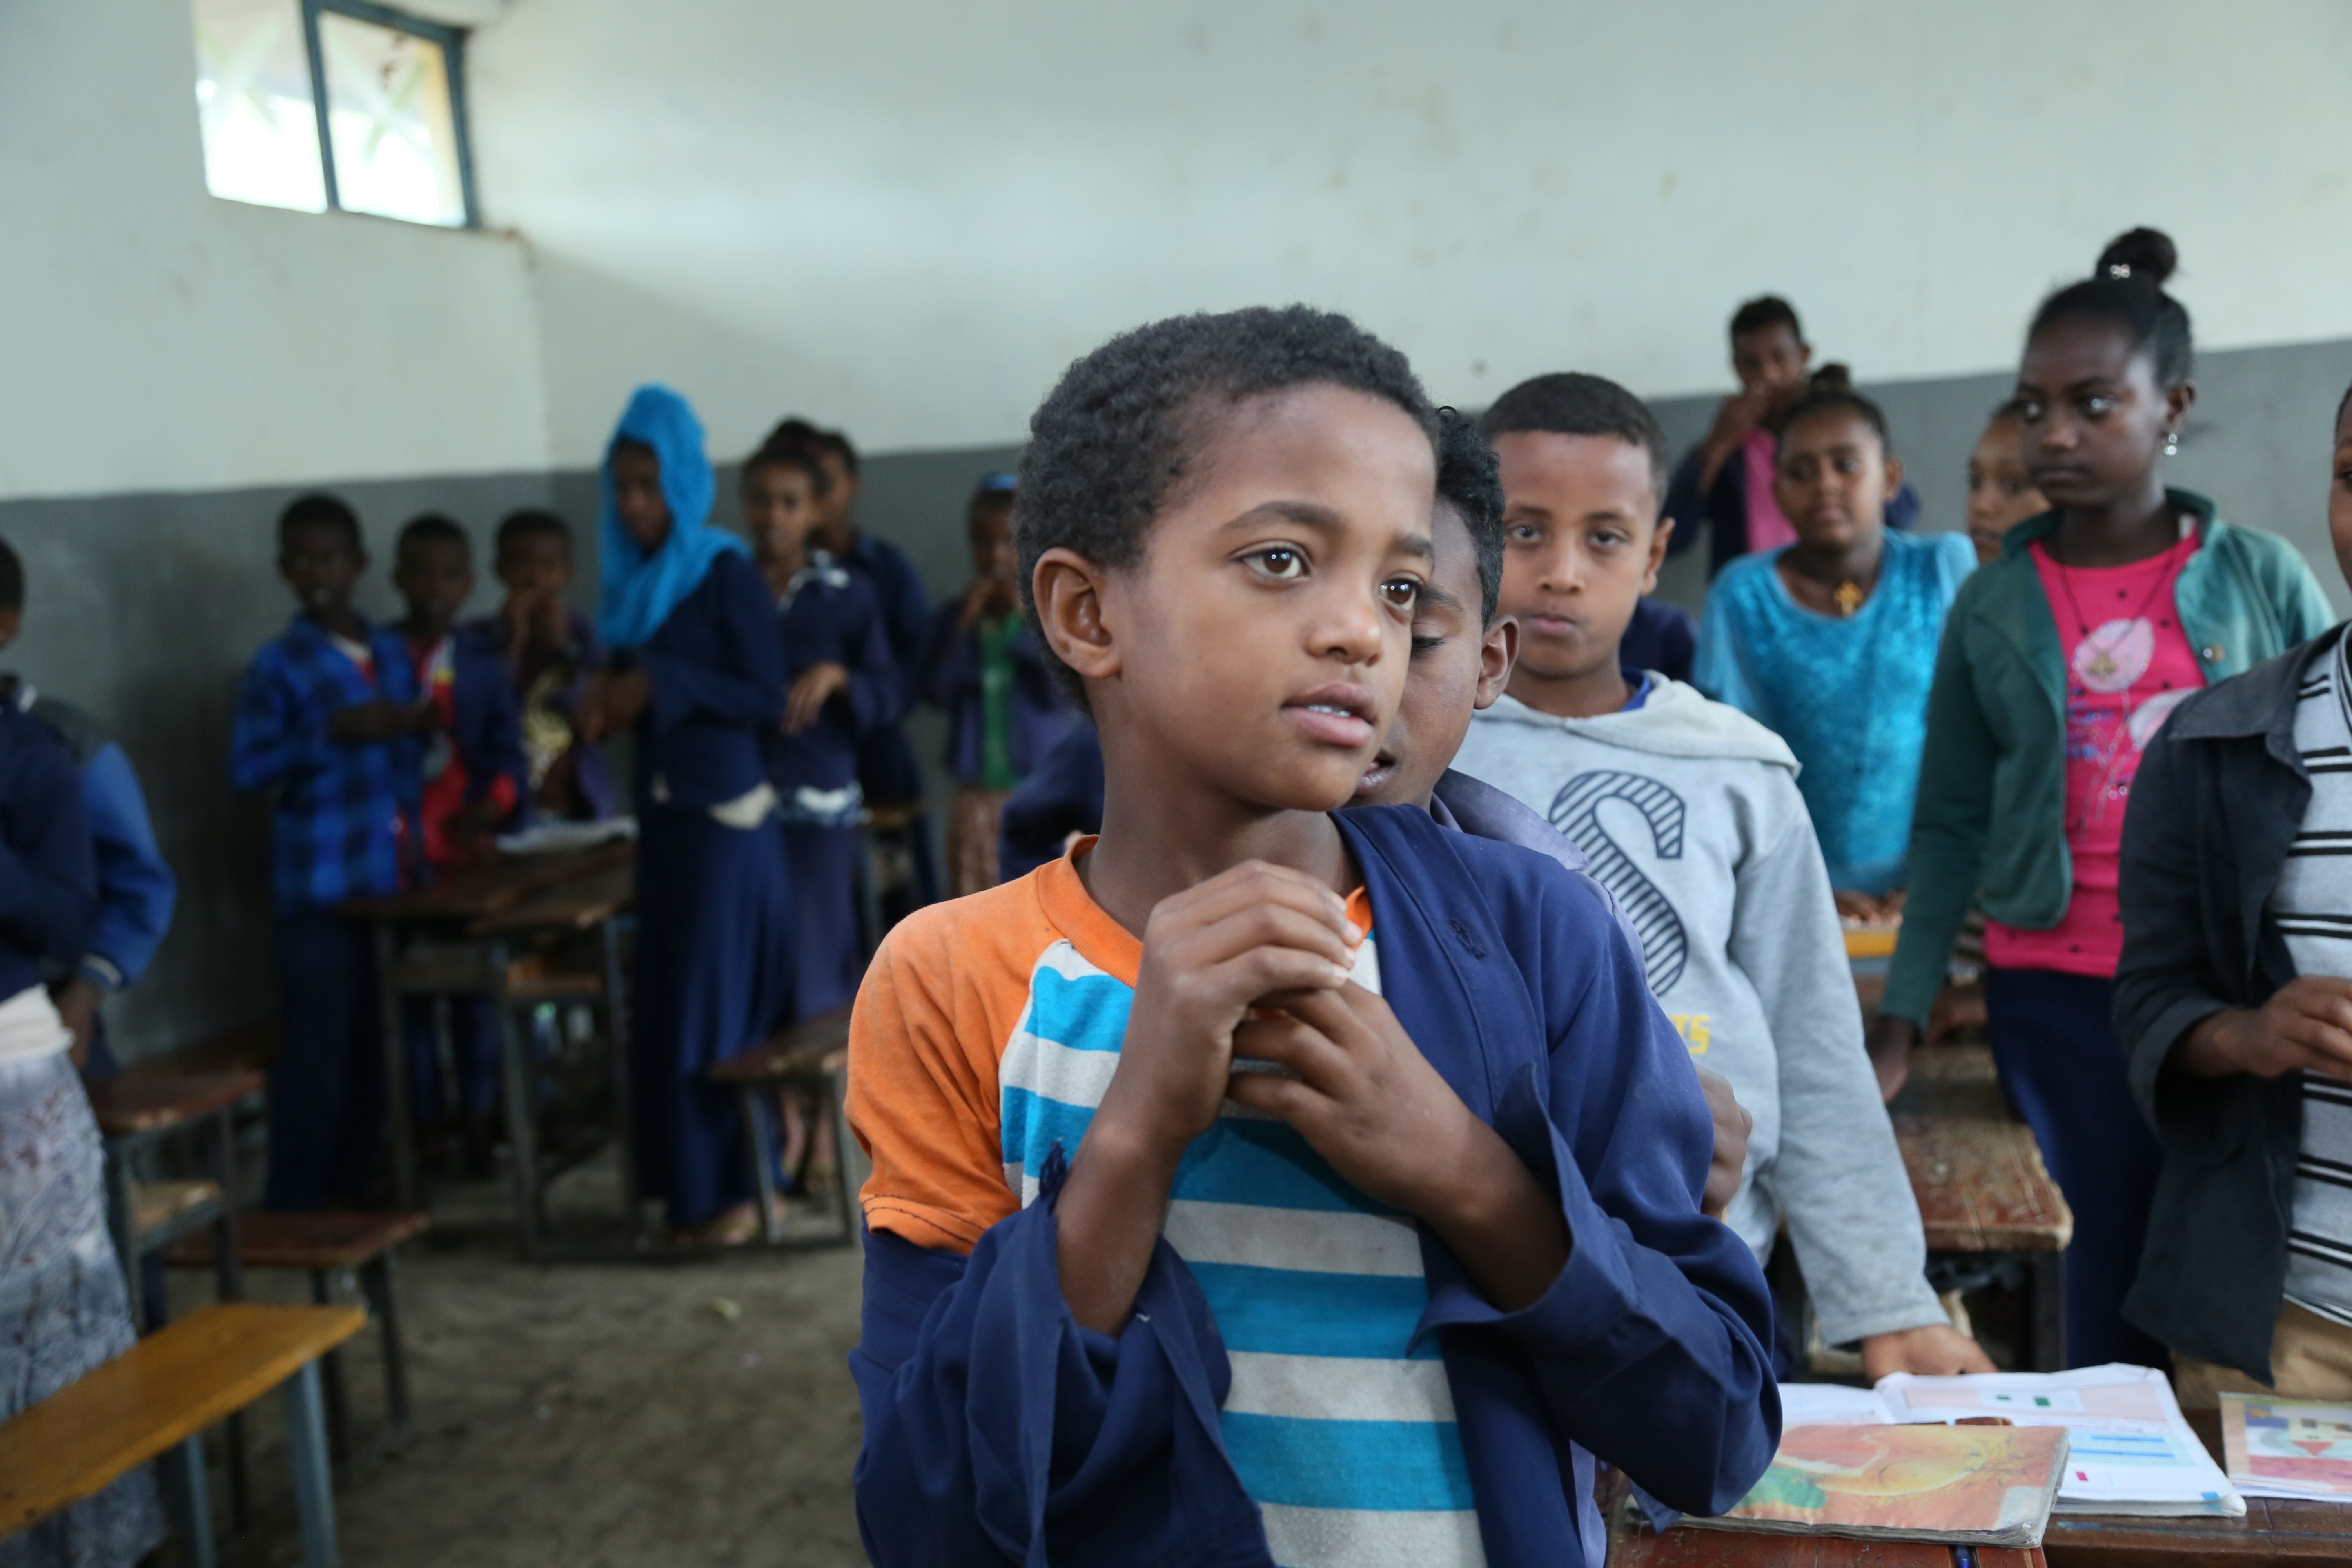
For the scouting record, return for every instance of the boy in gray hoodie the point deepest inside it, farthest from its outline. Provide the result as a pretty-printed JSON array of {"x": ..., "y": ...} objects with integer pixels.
[{"x": 1689, "y": 813}]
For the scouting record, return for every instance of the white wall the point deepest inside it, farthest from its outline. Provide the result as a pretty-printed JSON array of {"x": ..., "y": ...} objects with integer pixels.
[
  {"x": 153, "y": 337},
  {"x": 907, "y": 214}
]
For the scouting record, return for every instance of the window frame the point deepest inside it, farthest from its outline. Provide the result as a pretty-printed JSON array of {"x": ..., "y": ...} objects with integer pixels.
[{"x": 452, "y": 55}]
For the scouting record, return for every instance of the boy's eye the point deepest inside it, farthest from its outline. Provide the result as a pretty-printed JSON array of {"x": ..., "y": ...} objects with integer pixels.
[
  {"x": 2029, "y": 411},
  {"x": 2098, "y": 406},
  {"x": 1403, "y": 593},
  {"x": 1282, "y": 562},
  {"x": 1422, "y": 644},
  {"x": 1523, "y": 533}
]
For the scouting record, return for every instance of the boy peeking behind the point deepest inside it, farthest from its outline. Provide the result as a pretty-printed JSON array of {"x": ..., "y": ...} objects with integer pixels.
[{"x": 1263, "y": 1183}]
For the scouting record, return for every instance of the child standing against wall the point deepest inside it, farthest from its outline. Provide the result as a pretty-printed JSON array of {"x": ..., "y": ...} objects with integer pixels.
[
  {"x": 2060, "y": 663},
  {"x": 550, "y": 653},
  {"x": 840, "y": 682},
  {"x": 981, "y": 663},
  {"x": 329, "y": 721},
  {"x": 1829, "y": 642},
  {"x": 472, "y": 784}
]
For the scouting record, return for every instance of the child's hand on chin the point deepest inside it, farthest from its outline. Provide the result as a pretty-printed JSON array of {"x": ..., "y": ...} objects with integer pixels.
[{"x": 1209, "y": 954}]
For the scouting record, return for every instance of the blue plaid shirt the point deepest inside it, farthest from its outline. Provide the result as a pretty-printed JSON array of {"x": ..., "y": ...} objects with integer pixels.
[{"x": 337, "y": 830}]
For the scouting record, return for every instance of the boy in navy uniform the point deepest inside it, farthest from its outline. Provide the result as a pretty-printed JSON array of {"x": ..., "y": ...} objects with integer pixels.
[
  {"x": 475, "y": 784},
  {"x": 330, "y": 720}
]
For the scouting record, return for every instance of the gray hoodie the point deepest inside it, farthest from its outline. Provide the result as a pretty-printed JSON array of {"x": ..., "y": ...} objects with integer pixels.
[{"x": 1689, "y": 813}]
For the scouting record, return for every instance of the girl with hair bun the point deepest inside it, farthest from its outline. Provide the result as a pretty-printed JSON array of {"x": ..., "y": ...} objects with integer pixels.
[
  {"x": 2059, "y": 662},
  {"x": 1831, "y": 640}
]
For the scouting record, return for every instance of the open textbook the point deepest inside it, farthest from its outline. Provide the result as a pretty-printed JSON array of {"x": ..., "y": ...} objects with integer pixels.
[
  {"x": 1966, "y": 1486},
  {"x": 2288, "y": 1448},
  {"x": 2131, "y": 1453}
]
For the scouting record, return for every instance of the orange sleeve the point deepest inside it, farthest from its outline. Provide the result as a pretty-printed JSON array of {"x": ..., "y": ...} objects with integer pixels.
[{"x": 939, "y": 1002}]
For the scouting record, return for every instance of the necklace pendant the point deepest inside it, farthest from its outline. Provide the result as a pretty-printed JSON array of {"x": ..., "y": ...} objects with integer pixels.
[
  {"x": 2103, "y": 664},
  {"x": 1848, "y": 598}
]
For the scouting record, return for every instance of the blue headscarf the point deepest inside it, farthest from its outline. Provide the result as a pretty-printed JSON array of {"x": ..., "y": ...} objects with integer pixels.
[{"x": 638, "y": 591}]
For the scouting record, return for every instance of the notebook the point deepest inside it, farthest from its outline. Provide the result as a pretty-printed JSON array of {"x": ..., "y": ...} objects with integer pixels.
[
  {"x": 2131, "y": 1452},
  {"x": 2288, "y": 1448},
  {"x": 1963, "y": 1486}
]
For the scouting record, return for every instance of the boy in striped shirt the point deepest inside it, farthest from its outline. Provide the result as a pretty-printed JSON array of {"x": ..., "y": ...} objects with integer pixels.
[{"x": 1258, "y": 1184}]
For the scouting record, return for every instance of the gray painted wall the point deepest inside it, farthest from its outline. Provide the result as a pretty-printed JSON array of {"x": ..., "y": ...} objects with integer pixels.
[{"x": 144, "y": 609}]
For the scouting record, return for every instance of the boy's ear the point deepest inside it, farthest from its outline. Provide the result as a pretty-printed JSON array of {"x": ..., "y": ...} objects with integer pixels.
[
  {"x": 1659, "y": 538},
  {"x": 1069, "y": 591},
  {"x": 1497, "y": 655},
  {"x": 11, "y": 621},
  {"x": 1894, "y": 477}
]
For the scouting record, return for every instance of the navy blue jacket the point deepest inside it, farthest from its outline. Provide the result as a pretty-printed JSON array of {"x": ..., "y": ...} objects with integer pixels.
[
  {"x": 592, "y": 774},
  {"x": 830, "y": 616},
  {"x": 48, "y": 873},
  {"x": 998, "y": 1431},
  {"x": 948, "y": 676},
  {"x": 136, "y": 889},
  {"x": 885, "y": 762},
  {"x": 1660, "y": 637},
  {"x": 717, "y": 671},
  {"x": 1724, "y": 510},
  {"x": 486, "y": 723},
  {"x": 1061, "y": 795}
]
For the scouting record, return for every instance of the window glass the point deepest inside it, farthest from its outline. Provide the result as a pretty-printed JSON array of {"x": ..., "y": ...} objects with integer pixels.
[
  {"x": 389, "y": 117},
  {"x": 253, "y": 93}
]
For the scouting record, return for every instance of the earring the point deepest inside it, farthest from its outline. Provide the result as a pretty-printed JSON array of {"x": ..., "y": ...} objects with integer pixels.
[{"x": 2172, "y": 443}]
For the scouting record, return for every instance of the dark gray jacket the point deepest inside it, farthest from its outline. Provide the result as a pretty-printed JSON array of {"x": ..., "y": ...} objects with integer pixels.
[{"x": 2217, "y": 801}]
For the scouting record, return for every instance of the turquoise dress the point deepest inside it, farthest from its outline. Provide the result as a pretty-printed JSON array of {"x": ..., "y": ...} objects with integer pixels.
[{"x": 1849, "y": 695}]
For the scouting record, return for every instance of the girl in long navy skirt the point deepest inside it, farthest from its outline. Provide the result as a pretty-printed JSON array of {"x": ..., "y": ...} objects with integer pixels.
[
  {"x": 698, "y": 673},
  {"x": 842, "y": 685}
]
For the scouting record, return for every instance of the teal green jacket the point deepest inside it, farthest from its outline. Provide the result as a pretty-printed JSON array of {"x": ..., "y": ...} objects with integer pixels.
[{"x": 1992, "y": 780}]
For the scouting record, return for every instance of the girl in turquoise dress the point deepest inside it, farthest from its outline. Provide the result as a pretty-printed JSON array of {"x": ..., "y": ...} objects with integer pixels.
[{"x": 1831, "y": 641}]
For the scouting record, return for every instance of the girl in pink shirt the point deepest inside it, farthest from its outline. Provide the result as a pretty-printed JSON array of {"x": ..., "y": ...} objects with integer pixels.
[{"x": 2061, "y": 660}]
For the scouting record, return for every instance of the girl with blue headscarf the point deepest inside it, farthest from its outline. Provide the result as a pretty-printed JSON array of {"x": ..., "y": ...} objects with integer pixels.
[{"x": 698, "y": 671}]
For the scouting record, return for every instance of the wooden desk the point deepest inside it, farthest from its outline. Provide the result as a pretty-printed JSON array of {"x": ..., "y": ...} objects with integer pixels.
[
  {"x": 812, "y": 1055},
  {"x": 476, "y": 920},
  {"x": 1633, "y": 1544},
  {"x": 1984, "y": 1195},
  {"x": 2274, "y": 1530}
]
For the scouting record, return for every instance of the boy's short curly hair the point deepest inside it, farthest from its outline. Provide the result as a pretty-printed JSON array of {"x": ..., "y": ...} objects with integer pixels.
[
  {"x": 1571, "y": 403},
  {"x": 1470, "y": 480},
  {"x": 1120, "y": 435}
]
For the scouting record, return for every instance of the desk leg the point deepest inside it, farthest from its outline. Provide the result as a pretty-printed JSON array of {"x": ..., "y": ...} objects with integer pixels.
[
  {"x": 616, "y": 1036},
  {"x": 869, "y": 892},
  {"x": 375, "y": 1278},
  {"x": 396, "y": 1067},
  {"x": 845, "y": 1199},
  {"x": 314, "y": 1492},
  {"x": 2049, "y": 1270},
  {"x": 229, "y": 1276},
  {"x": 339, "y": 1404},
  {"x": 763, "y": 1160},
  {"x": 126, "y": 1241},
  {"x": 523, "y": 1121},
  {"x": 183, "y": 1496}
]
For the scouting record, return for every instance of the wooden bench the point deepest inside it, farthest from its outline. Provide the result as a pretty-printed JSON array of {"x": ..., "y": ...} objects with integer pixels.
[
  {"x": 811, "y": 1056},
  {"x": 155, "y": 1400},
  {"x": 137, "y": 1110},
  {"x": 322, "y": 1246}
]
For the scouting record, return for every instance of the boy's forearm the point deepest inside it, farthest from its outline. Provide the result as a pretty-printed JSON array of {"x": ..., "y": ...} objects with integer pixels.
[
  {"x": 1108, "y": 1223},
  {"x": 1507, "y": 1233}
]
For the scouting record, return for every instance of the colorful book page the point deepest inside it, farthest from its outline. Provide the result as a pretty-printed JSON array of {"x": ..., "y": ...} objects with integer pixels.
[
  {"x": 2288, "y": 1448},
  {"x": 1993, "y": 1485}
]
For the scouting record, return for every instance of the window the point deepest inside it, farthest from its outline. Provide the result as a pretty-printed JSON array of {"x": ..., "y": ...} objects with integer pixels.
[{"x": 324, "y": 105}]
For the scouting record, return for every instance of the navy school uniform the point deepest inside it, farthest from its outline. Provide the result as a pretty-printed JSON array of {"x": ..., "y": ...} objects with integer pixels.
[
  {"x": 342, "y": 822},
  {"x": 557, "y": 701},
  {"x": 483, "y": 735},
  {"x": 48, "y": 870},
  {"x": 714, "y": 900},
  {"x": 886, "y": 768},
  {"x": 828, "y": 615}
]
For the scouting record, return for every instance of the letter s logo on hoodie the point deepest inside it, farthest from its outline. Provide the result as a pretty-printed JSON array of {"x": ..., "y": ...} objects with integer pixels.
[{"x": 1576, "y": 811}]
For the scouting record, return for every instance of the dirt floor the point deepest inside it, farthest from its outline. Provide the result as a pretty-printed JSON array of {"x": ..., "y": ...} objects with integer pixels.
[{"x": 614, "y": 1408}]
